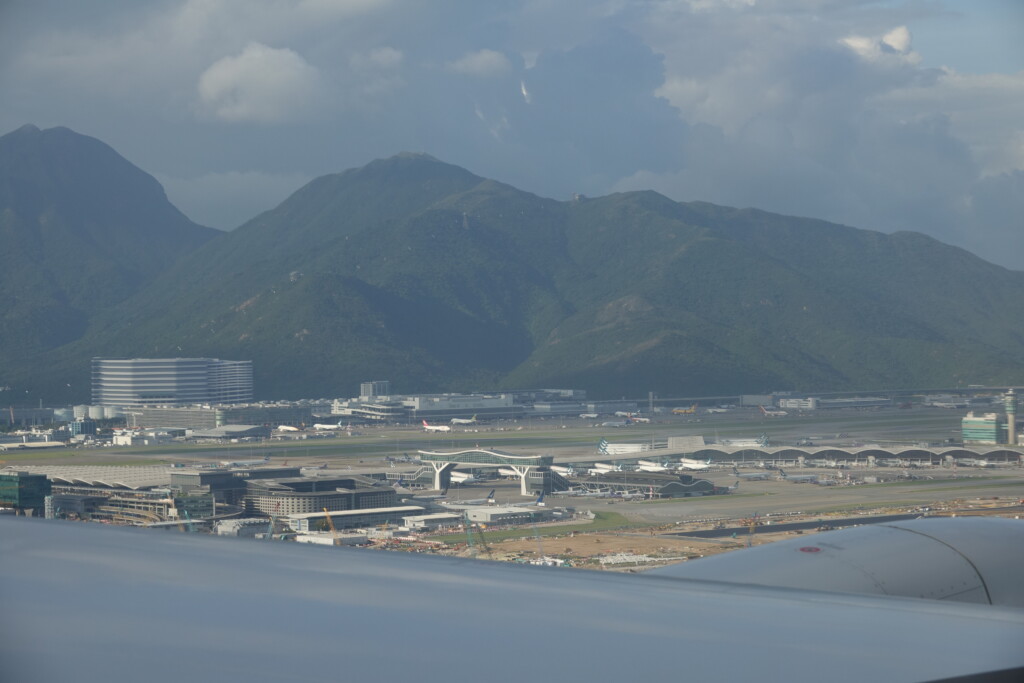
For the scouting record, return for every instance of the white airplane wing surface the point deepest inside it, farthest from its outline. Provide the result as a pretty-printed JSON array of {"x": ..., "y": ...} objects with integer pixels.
[{"x": 85, "y": 602}]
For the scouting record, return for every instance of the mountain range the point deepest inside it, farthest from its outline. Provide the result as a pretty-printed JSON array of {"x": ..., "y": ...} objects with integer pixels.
[{"x": 418, "y": 271}]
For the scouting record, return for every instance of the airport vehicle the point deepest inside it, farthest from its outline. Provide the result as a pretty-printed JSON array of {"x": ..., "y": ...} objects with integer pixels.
[
  {"x": 685, "y": 411},
  {"x": 435, "y": 428},
  {"x": 697, "y": 465},
  {"x": 463, "y": 420},
  {"x": 770, "y": 601},
  {"x": 773, "y": 413}
]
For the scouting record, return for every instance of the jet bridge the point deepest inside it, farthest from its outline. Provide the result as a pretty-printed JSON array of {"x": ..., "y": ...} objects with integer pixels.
[{"x": 444, "y": 463}]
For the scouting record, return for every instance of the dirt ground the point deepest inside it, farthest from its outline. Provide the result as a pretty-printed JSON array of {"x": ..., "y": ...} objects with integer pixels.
[{"x": 589, "y": 548}]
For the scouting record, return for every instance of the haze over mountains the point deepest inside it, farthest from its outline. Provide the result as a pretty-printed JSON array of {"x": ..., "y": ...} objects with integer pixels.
[{"x": 420, "y": 272}]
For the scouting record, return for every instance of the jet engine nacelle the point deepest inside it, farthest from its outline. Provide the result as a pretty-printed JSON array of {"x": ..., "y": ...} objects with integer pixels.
[{"x": 964, "y": 559}]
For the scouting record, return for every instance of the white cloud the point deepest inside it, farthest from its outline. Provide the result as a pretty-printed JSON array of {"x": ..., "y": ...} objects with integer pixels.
[
  {"x": 898, "y": 39},
  {"x": 893, "y": 47},
  {"x": 481, "y": 63},
  {"x": 261, "y": 84},
  {"x": 807, "y": 107},
  {"x": 984, "y": 111}
]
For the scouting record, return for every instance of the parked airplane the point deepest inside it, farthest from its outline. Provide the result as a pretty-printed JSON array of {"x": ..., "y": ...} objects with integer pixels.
[
  {"x": 798, "y": 478},
  {"x": 286, "y": 428},
  {"x": 463, "y": 478},
  {"x": 584, "y": 493},
  {"x": 530, "y": 503},
  {"x": 773, "y": 413},
  {"x": 435, "y": 428},
  {"x": 753, "y": 476},
  {"x": 244, "y": 463},
  {"x": 651, "y": 466},
  {"x": 685, "y": 411},
  {"x": 975, "y": 462},
  {"x": 770, "y": 602},
  {"x": 623, "y": 423},
  {"x": 320, "y": 427},
  {"x": 564, "y": 471},
  {"x": 605, "y": 467},
  {"x": 589, "y": 416},
  {"x": 759, "y": 442},
  {"x": 489, "y": 500},
  {"x": 691, "y": 464},
  {"x": 463, "y": 421},
  {"x": 712, "y": 411}
]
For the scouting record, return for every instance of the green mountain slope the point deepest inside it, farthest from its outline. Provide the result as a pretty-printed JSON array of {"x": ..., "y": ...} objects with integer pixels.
[
  {"x": 420, "y": 272},
  {"x": 82, "y": 229}
]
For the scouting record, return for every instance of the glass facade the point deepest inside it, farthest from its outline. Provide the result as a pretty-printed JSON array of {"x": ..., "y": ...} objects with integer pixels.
[
  {"x": 137, "y": 382},
  {"x": 22, "y": 491}
]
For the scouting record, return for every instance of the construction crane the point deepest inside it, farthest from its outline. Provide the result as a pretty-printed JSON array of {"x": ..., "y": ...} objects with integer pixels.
[
  {"x": 754, "y": 521},
  {"x": 469, "y": 535},
  {"x": 330, "y": 523}
]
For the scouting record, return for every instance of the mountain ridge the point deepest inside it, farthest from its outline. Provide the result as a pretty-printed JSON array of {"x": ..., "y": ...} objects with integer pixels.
[
  {"x": 82, "y": 230},
  {"x": 422, "y": 272}
]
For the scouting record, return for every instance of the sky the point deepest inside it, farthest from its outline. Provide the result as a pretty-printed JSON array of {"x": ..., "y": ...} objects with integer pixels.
[{"x": 885, "y": 115}]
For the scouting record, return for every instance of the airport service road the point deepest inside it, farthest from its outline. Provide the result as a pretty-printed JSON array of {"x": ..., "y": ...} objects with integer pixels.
[{"x": 778, "y": 497}]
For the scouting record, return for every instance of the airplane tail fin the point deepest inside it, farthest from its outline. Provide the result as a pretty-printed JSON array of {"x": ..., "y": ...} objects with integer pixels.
[
  {"x": 540, "y": 498},
  {"x": 490, "y": 496}
]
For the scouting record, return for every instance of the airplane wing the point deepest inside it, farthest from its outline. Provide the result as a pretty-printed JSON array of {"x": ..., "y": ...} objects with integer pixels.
[{"x": 86, "y": 602}]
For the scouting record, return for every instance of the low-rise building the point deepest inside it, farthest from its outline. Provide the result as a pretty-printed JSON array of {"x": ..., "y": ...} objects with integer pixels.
[
  {"x": 302, "y": 495},
  {"x": 349, "y": 519},
  {"x": 440, "y": 520}
]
